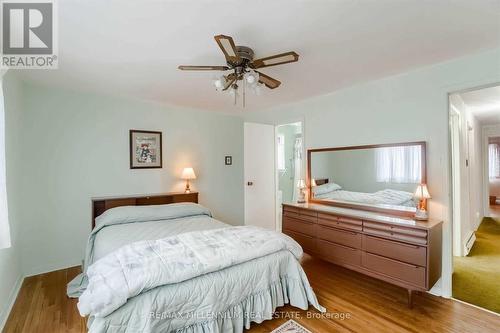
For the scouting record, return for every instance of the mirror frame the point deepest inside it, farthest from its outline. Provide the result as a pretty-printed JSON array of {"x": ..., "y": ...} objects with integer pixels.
[{"x": 385, "y": 209}]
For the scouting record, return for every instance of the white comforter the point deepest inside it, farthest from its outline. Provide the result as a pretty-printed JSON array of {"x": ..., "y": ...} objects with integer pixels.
[
  {"x": 384, "y": 197},
  {"x": 144, "y": 265}
]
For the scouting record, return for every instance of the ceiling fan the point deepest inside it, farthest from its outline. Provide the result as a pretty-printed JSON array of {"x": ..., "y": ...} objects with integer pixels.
[{"x": 243, "y": 67}]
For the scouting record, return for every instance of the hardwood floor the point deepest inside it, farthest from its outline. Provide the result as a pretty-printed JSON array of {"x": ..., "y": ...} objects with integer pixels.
[
  {"x": 42, "y": 305},
  {"x": 355, "y": 303}
]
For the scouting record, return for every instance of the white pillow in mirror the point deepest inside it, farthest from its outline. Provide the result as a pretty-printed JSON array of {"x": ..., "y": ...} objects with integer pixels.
[{"x": 326, "y": 188}]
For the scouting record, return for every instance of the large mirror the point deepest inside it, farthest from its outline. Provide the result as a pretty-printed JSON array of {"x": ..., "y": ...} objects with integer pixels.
[{"x": 375, "y": 177}]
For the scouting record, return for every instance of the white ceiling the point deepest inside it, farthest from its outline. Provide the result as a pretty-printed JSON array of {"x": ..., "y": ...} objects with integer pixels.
[
  {"x": 133, "y": 48},
  {"x": 484, "y": 104}
]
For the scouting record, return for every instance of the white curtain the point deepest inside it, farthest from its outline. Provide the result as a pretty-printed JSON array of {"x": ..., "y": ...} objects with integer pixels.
[
  {"x": 297, "y": 160},
  {"x": 494, "y": 160},
  {"x": 4, "y": 221},
  {"x": 399, "y": 164}
]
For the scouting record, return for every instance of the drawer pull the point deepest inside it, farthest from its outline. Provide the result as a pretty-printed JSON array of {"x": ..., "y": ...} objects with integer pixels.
[
  {"x": 416, "y": 247},
  {"x": 339, "y": 245},
  {"x": 342, "y": 230}
]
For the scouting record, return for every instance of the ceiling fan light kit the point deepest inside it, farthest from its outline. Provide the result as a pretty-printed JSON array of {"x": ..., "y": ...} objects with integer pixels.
[{"x": 243, "y": 67}]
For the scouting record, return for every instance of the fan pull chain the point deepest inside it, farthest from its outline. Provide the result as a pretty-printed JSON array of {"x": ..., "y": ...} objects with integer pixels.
[{"x": 244, "y": 89}]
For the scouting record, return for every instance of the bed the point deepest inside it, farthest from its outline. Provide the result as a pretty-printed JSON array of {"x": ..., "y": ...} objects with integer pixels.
[
  {"x": 331, "y": 191},
  {"x": 221, "y": 300}
]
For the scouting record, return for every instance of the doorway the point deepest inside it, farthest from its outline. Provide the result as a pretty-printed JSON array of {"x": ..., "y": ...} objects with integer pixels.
[
  {"x": 290, "y": 163},
  {"x": 475, "y": 157}
]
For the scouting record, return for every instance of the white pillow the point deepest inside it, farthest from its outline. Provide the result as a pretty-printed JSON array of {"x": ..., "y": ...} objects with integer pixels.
[
  {"x": 131, "y": 214},
  {"x": 326, "y": 188}
]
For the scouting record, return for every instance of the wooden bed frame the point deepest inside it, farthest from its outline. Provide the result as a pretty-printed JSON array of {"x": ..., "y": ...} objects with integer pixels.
[{"x": 102, "y": 204}]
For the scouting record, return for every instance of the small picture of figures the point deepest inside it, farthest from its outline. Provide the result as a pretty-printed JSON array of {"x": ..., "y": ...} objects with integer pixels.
[{"x": 145, "y": 149}]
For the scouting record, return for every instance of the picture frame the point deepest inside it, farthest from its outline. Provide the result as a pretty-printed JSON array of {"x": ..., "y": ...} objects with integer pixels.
[
  {"x": 228, "y": 160},
  {"x": 145, "y": 149}
]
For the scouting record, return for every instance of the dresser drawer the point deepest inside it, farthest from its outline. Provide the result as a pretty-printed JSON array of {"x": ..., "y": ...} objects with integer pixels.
[
  {"x": 412, "y": 254},
  {"x": 408, "y": 273},
  {"x": 340, "y": 222},
  {"x": 339, "y": 236},
  {"x": 308, "y": 215},
  {"x": 339, "y": 253},
  {"x": 297, "y": 225},
  {"x": 308, "y": 243},
  {"x": 298, "y": 213},
  {"x": 411, "y": 235},
  {"x": 290, "y": 209}
]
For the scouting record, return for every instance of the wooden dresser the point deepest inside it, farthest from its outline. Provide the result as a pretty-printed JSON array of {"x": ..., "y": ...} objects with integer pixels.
[{"x": 400, "y": 251}]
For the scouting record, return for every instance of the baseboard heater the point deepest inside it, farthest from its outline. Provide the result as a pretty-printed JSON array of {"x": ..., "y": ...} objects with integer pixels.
[{"x": 469, "y": 243}]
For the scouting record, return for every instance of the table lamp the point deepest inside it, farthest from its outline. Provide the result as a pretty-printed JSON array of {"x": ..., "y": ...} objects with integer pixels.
[
  {"x": 422, "y": 194},
  {"x": 188, "y": 174},
  {"x": 301, "y": 184}
]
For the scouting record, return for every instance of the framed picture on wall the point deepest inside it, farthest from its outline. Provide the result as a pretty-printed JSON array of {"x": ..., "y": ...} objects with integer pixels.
[{"x": 145, "y": 149}]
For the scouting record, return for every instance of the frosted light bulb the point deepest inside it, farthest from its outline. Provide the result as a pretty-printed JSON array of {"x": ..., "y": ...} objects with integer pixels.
[
  {"x": 257, "y": 89},
  {"x": 218, "y": 84}
]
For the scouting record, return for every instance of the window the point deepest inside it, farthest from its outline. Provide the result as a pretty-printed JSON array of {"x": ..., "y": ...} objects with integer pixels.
[
  {"x": 399, "y": 164},
  {"x": 4, "y": 223},
  {"x": 281, "y": 152},
  {"x": 494, "y": 160}
]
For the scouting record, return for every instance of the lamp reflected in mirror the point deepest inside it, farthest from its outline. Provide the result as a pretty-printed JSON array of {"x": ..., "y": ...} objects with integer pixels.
[
  {"x": 422, "y": 194},
  {"x": 301, "y": 185}
]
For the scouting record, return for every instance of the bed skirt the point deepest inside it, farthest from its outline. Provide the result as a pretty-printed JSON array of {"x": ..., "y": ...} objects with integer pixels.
[{"x": 256, "y": 308}]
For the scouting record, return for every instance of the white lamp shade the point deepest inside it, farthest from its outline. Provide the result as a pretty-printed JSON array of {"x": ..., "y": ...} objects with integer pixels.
[
  {"x": 422, "y": 192},
  {"x": 313, "y": 182},
  {"x": 301, "y": 183},
  {"x": 188, "y": 173}
]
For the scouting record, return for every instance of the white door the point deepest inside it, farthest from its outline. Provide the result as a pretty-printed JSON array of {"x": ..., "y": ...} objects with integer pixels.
[{"x": 259, "y": 175}]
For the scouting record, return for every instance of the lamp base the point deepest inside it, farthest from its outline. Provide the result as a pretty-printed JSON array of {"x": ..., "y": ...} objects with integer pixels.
[
  {"x": 302, "y": 197},
  {"x": 421, "y": 215}
]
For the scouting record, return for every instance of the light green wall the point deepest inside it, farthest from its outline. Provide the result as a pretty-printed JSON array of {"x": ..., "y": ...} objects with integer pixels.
[
  {"x": 411, "y": 106},
  {"x": 10, "y": 259},
  {"x": 75, "y": 146}
]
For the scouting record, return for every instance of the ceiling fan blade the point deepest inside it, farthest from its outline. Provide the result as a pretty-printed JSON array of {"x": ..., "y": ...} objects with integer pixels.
[
  {"x": 203, "y": 68},
  {"x": 268, "y": 81},
  {"x": 274, "y": 60},
  {"x": 228, "y": 47}
]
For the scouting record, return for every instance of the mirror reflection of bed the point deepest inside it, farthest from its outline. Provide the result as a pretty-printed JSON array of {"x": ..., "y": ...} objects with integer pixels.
[{"x": 378, "y": 175}]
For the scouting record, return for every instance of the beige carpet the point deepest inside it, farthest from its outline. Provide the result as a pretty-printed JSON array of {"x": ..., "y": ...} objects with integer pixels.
[{"x": 476, "y": 278}]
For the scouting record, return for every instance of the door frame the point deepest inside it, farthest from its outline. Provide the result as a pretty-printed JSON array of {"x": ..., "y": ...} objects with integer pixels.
[
  {"x": 447, "y": 280},
  {"x": 455, "y": 139},
  {"x": 276, "y": 173}
]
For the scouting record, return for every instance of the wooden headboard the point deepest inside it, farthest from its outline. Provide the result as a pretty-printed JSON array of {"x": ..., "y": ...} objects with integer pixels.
[
  {"x": 321, "y": 181},
  {"x": 100, "y": 205}
]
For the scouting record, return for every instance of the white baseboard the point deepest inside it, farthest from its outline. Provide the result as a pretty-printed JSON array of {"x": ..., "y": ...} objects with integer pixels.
[
  {"x": 4, "y": 315},
  {"x": 471, "y": 238},
  {"x": 475, "y": 306},
  {"x": 51, "y": 267}
]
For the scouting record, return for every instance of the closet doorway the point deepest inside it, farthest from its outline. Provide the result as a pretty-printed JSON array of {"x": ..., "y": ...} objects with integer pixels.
[{"x": 290, "y": 164}]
